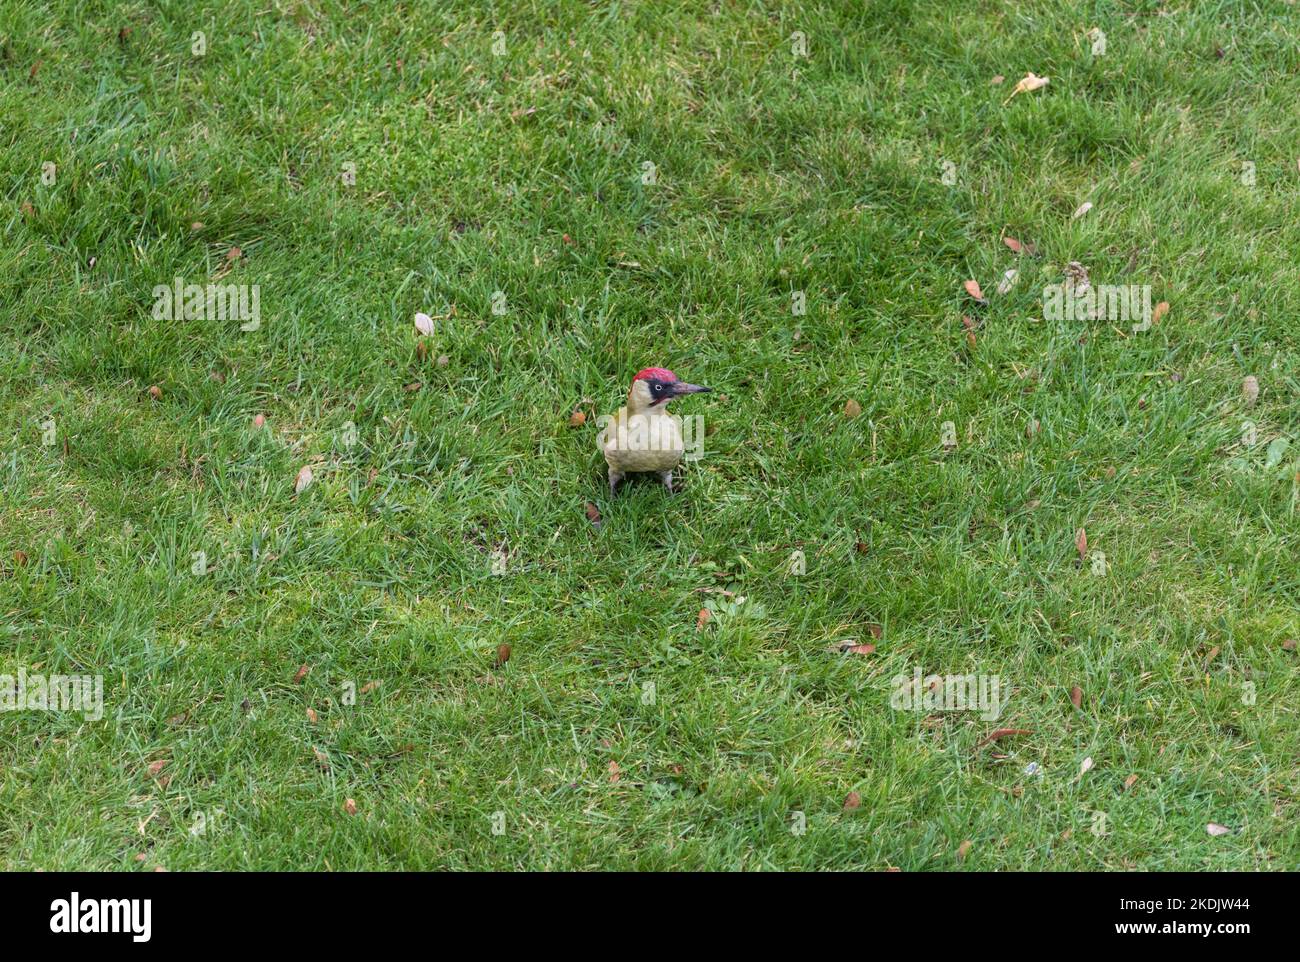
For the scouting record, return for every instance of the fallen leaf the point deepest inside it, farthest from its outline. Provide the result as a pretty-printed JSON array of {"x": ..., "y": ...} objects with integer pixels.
[
  {"x": 973, "y": 289},
  {"x": 304, "y": 479},
  {"x": 852, "y": 408},
  {"x": 615, "y": 773},
  {"x": 350, "y": 806},
  {"x": 140, "y": 857},
  {"x": 31, "y": 74},
  {"x": 20, "y": 557},
  {"x": 301, "y": 674},
  {"x": 1086, "y": 766},
  {"x": 424, "y": 324},
  {"x": 1076, "y": 696},
  {"x": 234, "y": 254},
  {"x": 1027, "y": 84},
  {"x": 1289, "y": 645},
  {"x": 259, "y": 421},
  {"x": 1130, "y": 782},
  {"x": 368, "y": 687},
  {"x": 852, "y": 801},
  {"x": 577, "y": 419},
  {"x": 1250, "y": 389},
  {"x": 412, "y": 387},
  {"x": 311, "y": 715},
  {"x": 155, "y": 391},
  {"x": 860, "y": 649},
  {"x": 1014, "y": 244},
  {"x": 1159, "y": 311},
  {"x": 702, "y": 618},
  {"x": 443, "y": 360},
  {"x": 1214, "y": 653},
  {"x": 1032, "y": 428},
  {"x": 1214, "y": 828},
  {"x": 963, "y": 850},
  {"x": 1002, "y": 733},
  {"x": 1008, "y": 281},
  {"x": 321, "y": 758},
  {"x": 1081, "y": 543},
  {"x": 593, "y": 514},
  {"x": 27, "y": 209},
  {"x": 503, "y": 655},
  {"x": 157, "y": 767},
  {"x": 1081, "y": 210}
]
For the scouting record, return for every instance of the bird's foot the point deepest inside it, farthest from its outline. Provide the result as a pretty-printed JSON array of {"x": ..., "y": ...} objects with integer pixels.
[
  {"x": 614, "y": 479},
  {"x": 667, "y": 478}
]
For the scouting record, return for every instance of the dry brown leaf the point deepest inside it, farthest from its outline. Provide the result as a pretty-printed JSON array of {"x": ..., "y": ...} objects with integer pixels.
[
  {"x": 1014, "y": 244},
  {"x": 997, "y": 79},
  {"x": 1159, "y": 311},
  {"x": 593, "y": 514},
  {"x": 157, "y": 767},
  {"x": 973, "y": 289},
  {"x": 1081, "y": 543},
  {"x": 577, "y": 419},
  {"x": 1130, "y": 782},
  {"x": 20, "y": 557},
  {"x": 1076, "y": 696},
  {"x": 702, "y": 618},
  {"x": 963, "y": 850},
  {"x": 852, "y": 408},
  {"x": 852, "y": 801},
  {"x": 412, "y": 387},
  {"x": 259, "y": 421},
  {"x": 301, "y": 674},
  {"x": 615, "y": 773},
  {"x": 1250, "y": 389},
  {"x": 311, "y": 715},
  {"x": 155, "y": 392},
  {"x": 234, "y": 254},
  {"x": 304, "y": 479},
  {"x": 1002, "y": 733},
  {"x": 503, "y": 655},
  {"x": 322, "y": 759},
  {"x": 860, "y": 649},
  {"x": 368, "y": 687},
  {"x": 1289, "y": 645},
  {"x": 350, "y": 806}
]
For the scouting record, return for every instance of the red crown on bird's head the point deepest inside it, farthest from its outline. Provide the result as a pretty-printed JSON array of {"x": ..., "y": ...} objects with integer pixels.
[{"x": 655, "y": 374}]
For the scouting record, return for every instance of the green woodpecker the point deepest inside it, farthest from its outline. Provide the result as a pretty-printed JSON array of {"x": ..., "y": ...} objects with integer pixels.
[{"x": 643, "y": 436}]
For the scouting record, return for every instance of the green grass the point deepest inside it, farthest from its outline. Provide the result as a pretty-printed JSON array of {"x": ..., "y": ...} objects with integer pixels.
[{"x": 522, "y": 173}]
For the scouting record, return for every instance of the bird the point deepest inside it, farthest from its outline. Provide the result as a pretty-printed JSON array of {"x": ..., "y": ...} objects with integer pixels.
[{"x": 643, "y": 436}]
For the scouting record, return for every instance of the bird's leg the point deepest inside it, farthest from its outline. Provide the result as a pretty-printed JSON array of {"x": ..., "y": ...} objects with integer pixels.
[
  {"x": 667, "y": 478},
  {"x": 614, "y": 478}
]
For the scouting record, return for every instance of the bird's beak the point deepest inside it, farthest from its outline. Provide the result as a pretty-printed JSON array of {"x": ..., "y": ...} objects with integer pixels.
[{"x": 681, "y": 387}]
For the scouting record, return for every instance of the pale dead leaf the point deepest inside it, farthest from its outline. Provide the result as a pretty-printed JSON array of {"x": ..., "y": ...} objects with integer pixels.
[
  {"x": 1076, "y": 696},
  {"x": 1250, "y": 389},
  {"x": 852, "y": 408},
  {"x": 424, "y": 324},
  {"x": 702, "y": 618},
  {"x": 1008, "y": 281},
  {"x": 1086, "y": 766},
  {"x": 852, "y": 801},
  {"x": 350, "y": 806},
  {"x": 1130, "y": 782},
  {"x": 973, "y": 289},
  {"x": 577, "y": 419},
  {"x": 1159, "y": 311},
  {"x": 615, "y": 773},
  {"x": 1027, "y": 84},
  {"x": 1081, "y": 210},
  {"x": 1214, "y": 828},
  {"x": 963, "y": 850}
]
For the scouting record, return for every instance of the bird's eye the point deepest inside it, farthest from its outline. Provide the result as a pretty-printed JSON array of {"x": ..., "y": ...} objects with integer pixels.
[{"x": 659, "y": 389}]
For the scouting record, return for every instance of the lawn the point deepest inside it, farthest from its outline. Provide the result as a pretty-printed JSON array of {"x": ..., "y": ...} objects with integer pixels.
[{"x": 782, "y": 201}]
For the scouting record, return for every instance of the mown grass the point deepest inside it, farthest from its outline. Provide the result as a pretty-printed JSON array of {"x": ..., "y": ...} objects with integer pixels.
[{"x": 523, "y": 174}]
